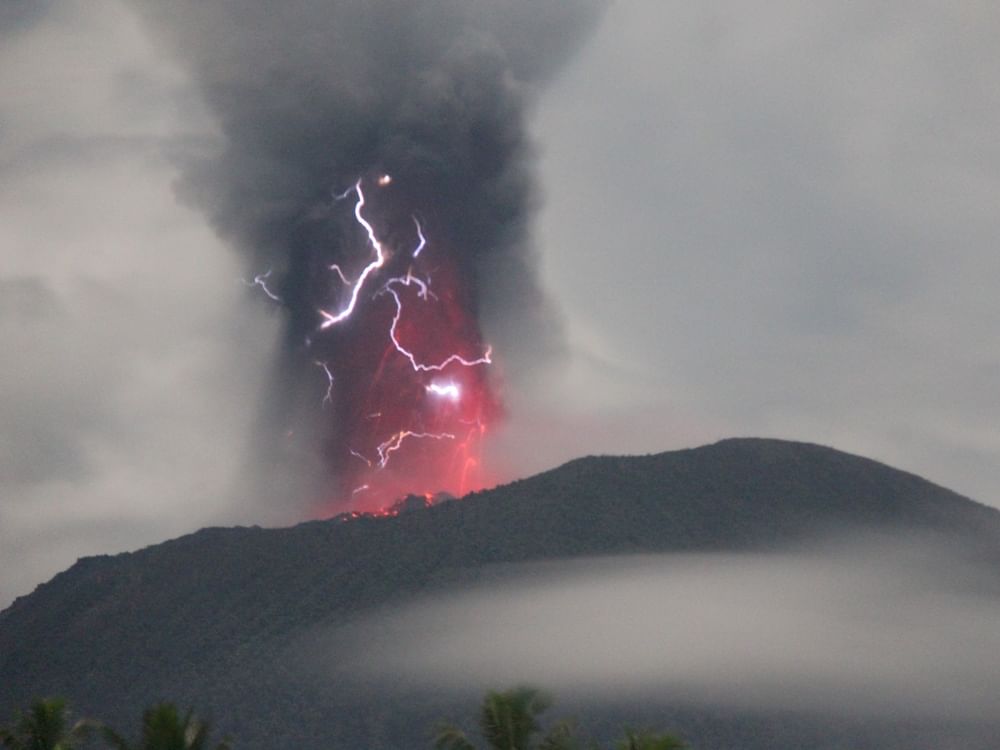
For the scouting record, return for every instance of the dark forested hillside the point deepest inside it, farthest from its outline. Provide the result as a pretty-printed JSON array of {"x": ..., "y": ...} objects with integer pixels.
[{"x": 207, "y": 619}]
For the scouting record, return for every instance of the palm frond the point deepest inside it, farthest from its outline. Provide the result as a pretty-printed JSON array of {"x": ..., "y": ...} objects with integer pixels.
[
  {"x": 647, "y": 740},
  {"x": 509, "y": 719},
  {"x": 8, "y": 739},
  {"x": 561, "y": 736},
  {"x": 450, "y": 737},
  {"x": 195, "y": 733},
  {"x": 112, "y": 738},
  {"x": 43, "y": 726},
  {"x": 84, "y": 729}
]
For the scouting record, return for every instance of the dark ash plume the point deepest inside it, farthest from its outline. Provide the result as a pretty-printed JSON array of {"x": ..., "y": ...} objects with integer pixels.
[{"x": 309, "y": 95}]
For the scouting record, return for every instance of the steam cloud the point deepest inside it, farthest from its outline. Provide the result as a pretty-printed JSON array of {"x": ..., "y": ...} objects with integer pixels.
[
  {"x": 309, "y": 96},
  {"x": 891, "y": 629}
]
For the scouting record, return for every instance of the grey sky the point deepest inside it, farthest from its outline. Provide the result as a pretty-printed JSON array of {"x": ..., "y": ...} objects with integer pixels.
[
  {"x": 760, "y": 219},
  {"x": 129, "y": 372},
  {"x": 779, "y": 219}
]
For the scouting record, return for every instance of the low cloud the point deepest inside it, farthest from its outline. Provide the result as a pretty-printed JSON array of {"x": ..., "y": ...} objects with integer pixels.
[{"x": 866, "y": 629}]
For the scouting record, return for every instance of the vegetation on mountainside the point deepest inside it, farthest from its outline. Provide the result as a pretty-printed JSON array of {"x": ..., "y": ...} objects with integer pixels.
[
  {"x": 164, "y": 728},
  {"x": 508, "y": 720},
  {"x": 45, "y": 725}
]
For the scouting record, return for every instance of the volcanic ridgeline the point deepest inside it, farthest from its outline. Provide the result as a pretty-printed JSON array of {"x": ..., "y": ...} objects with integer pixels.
[{"x": 208, "y": 618}]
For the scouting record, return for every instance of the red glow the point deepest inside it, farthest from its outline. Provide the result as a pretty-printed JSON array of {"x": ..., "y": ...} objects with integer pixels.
[{"x": 401, "y": 428}]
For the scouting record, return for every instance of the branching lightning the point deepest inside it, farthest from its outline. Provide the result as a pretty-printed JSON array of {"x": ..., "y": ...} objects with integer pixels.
[
  {"x": 261, "y": 281},
  {"x": 328, "y": 318},
  {"x": 392, "y": 444},
  {"x": 486, "y": 359}
]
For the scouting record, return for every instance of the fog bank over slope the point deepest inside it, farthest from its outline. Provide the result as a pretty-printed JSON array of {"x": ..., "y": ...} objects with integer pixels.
[{"x": 865, "y": 626}]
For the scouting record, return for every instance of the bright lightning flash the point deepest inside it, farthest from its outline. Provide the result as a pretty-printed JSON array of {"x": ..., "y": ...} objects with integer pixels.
[
  {"x": 328, "y": 318},
  {"x": 449, "y": 391}
]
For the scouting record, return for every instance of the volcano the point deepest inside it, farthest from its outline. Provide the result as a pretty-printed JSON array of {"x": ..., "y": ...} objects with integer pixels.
[{"x": 211, "y": 619}]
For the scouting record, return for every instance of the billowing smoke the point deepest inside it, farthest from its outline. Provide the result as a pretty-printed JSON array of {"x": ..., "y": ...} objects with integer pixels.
[{"x": 418, "y": 107}]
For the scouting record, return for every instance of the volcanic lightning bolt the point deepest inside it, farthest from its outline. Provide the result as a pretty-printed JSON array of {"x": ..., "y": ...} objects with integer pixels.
[
  {"x": 328, "y": 396},
  {"x": 423, "y": 240},
  {"x": 261, "y": 281},
  {"x": 335, "y": 267},
  {"x": 393, "y": 443},
  {"x": 433, "y": 440},
  {"x": 379, "y": 261},
  {"x": 419, "y": 366}
]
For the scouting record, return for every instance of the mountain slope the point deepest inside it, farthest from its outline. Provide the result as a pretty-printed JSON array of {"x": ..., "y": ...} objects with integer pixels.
[{"x": 208, "y": 618}]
